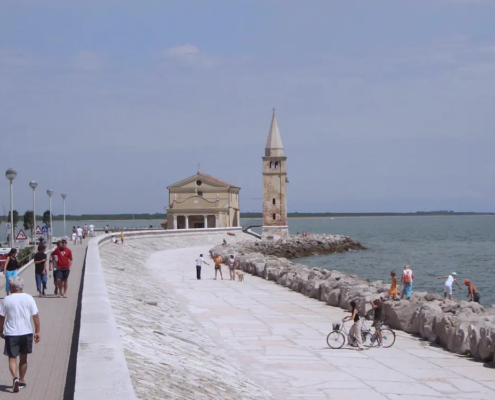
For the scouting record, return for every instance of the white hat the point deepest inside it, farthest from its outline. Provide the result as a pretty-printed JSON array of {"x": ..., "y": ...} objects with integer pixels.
[{"x": 454, "y": 273}]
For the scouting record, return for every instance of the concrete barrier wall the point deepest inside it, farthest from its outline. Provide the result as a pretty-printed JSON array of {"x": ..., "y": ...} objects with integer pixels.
[{"x": 102, "y": 371}]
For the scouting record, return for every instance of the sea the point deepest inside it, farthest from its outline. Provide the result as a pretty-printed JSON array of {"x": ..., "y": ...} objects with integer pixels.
[{"x": 434, "y": 246}]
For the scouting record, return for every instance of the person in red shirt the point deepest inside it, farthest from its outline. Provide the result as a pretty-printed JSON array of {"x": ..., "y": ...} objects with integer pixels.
[{"x": 63, "y": 257}]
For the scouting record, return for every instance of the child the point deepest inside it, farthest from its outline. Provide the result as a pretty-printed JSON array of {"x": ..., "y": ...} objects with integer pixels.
[
  {"x": 122, "y": 237},
  {"x": 393, "y": 289},
  {"x": 377, "y": 319}
]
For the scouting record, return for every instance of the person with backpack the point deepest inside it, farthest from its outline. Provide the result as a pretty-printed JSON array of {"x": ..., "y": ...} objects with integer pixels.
[{"x": 407, "y": 282}]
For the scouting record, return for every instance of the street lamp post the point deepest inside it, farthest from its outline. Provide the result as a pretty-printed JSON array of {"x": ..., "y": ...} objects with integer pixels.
[
  {"x": 33, "y": 185},
  {"x": 10, "y": 175},
  {"x": 63, "y": 197},
  {"x": 49, "y": 192}
]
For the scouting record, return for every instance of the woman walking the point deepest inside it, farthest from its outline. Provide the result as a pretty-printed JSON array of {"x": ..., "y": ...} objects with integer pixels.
[
  {"x": 10, "y": 268},
  {"x": 40, "y": 269},
  {"x": 355, "y": 331}
]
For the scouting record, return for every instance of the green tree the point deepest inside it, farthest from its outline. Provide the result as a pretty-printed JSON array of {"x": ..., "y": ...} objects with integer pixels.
[
  {"x": 16, "y": 218},
  {"x": 29, "y": 221},
  {"x": 46, "y": 218}
]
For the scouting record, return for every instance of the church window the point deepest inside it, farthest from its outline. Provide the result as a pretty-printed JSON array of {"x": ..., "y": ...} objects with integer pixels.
[
  {"x": 199, "y": 182},
  {"x": 274, "y": 202},
  {"x": 276, "y": 164},
  {"x": 200, "y": 193},
  {"x": 274, "y": 216}
]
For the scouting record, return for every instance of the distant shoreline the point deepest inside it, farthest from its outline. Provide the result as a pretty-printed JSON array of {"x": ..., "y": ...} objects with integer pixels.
[{"x": 163, "y": 217}]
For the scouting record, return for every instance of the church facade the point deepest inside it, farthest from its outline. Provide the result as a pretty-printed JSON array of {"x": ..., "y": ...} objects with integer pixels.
[
  {"x": 203, "y": 201},
  {"x": 274, "y": 185}
]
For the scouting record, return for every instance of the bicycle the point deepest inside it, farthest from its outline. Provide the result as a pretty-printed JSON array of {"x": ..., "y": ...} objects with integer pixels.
[
  {"x": 388, "y": 337},
  {"x": 337, "y": 338}
]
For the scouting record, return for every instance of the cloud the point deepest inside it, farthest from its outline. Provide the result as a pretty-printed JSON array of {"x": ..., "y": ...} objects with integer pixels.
[
  {"x": 86, "y": 61},
  {"x": 191, "y": 55},
  {"x": 184, "y": 52}
]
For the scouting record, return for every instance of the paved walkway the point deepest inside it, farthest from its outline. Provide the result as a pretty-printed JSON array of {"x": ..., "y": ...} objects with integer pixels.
[
  {"x": 278, "y": 338},
  {"x": 47, "y": 369}
]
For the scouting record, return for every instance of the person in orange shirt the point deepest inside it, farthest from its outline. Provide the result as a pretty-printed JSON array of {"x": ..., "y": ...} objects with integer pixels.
[
  {"x": 393, "y": 289},
  {"x": 218, "y": 265}
]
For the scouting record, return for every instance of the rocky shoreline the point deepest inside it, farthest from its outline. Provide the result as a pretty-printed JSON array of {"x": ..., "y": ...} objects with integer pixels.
[{"x": 461, "y": 327}]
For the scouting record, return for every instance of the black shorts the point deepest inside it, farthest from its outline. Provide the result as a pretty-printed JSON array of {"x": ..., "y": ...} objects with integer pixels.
[
  {"x": 217, "y": 267},
  {"x": 18, "y": 345},
  {"x": 62, "y": 274},
  {"x": 377, "y": 324},
  {"x": 477, "y": 297}
]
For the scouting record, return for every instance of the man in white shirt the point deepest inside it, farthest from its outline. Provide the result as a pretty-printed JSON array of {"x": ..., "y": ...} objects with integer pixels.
[
  {"x": 199, "y": 262},
  {"x": 91, "y": 230},
  {"x": 16, "y": 311},
  {"x": 79, "y": 234}
]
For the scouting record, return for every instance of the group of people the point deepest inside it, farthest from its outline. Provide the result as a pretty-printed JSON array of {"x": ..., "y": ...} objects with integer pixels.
[
  {"x": 217, "y": 259},
  {"x": 407, "y": 285},
  {"x": 17, "y": 308}
]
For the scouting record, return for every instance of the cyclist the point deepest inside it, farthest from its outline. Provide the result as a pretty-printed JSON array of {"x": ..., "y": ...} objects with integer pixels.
[
  {"x": 377, "y": 319},
  {"x": 355, "y": 331}
]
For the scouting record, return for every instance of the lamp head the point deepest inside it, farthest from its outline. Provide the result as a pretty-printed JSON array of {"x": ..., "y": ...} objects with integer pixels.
[
  {"x": 63, "y": 196},
  {"x": 33, "y": 184},
  {"x": 49, "y": 192},
  {"x": 10, "y": 174}
]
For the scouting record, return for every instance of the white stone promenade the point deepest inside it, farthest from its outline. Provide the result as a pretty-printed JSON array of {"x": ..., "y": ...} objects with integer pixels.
[{"x": 214, "y": 339}]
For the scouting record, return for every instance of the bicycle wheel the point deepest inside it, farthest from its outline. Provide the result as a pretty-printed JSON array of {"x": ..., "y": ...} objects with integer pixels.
[
  {"x": 335, "y": 339},
  {"x": 388, "y": 338}
]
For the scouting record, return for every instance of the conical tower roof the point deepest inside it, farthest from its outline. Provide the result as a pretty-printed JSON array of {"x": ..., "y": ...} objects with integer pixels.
[{"x": 274, "y": 146}]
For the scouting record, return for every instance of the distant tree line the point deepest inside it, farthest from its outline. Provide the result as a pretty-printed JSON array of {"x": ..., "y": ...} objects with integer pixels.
[{"x": 28, "y": 216}]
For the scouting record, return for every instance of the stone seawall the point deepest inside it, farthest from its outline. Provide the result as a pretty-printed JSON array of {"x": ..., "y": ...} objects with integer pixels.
[
  {"x": 303, "y": 246},
  {"x": 461, "y": 327}
]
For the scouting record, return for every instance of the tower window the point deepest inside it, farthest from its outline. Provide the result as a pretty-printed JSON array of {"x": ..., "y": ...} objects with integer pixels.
[
  {"x": 276, "y": 164},
  {"x": 200, "y": 193},
  {"x": 274, "y": 216},
  {"x": 274, "y": 202}
]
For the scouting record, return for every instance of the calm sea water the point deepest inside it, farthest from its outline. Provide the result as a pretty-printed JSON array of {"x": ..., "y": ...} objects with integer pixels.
[{"x": 432, "y": 246}]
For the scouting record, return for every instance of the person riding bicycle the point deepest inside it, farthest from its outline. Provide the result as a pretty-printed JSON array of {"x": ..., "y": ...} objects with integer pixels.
[
  {"x": 377, "y": 319},
  {"x": 355, "y": 331}
]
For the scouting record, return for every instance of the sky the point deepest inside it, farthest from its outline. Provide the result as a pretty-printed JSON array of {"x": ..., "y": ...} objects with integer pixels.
[{"x": 383, "y": 105}]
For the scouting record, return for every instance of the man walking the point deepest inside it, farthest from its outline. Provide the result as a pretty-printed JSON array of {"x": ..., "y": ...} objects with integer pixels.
[
  {"x": 54, "y": 266},
  {"x": 64, "y": 256},
  {"x": 16, "y": 311},
  {"x": 79, "y": 232},
  {"x": 199, "y": 262},
  {"x": 218, "y": 265}
]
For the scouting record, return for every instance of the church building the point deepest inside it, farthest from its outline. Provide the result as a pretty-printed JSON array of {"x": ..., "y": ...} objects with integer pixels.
[
  {"x": 203, "y": 201},
  {"x": 274, "y": 185}
]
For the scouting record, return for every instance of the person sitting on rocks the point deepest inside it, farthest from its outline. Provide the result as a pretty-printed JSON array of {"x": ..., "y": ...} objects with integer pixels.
[
  {"x": 473, "y": 291},
  {"x": 355, "y": 338},
  {"x": 447, "y": 288}
]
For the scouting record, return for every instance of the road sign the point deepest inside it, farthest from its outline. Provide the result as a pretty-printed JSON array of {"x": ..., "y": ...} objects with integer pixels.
[
  {"x": 44, "y": 229},
  {"x": 38, "y": 231},
  {"x": 21, "y": 236},
  {"x": 22, "y": 244},
  {"x": 8, "y": 225}
]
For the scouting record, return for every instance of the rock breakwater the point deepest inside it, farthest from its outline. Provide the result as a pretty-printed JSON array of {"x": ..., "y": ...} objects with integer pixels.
[
  {"x": 461, "y": 327},
  {"x": 303, "y": 246}
]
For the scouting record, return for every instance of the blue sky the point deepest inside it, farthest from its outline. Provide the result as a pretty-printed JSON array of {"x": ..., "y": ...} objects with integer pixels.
[{"x": 383, "y": 105}]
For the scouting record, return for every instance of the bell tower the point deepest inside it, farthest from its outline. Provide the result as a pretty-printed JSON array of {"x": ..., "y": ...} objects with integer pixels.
[{"x": 274, "y": 185}]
